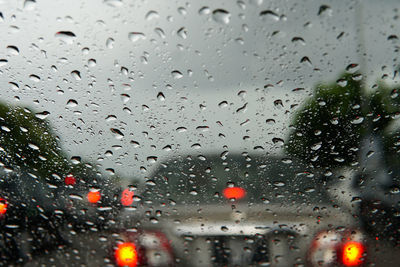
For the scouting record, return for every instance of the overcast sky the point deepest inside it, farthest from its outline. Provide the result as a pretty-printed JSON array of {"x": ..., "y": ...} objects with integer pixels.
[{"x": 223, "y": 51}]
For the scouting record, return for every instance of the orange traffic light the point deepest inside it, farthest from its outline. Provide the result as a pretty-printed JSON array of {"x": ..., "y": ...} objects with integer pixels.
[{"x": 126, "y": 255}]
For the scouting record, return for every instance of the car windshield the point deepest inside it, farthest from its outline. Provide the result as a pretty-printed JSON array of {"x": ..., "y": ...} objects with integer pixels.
[{"x": 199, "y": 133}]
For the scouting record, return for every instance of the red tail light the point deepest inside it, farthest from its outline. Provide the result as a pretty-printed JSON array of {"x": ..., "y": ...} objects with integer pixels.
[
  {"x": 93, "y": 196},
  {"x": 70, "y": 180},
  {"x": 352, "y": 253},
  {"x": 127, "y": 197},
  {"x": 333, "y": 247},
  {"x": 126, "y": 255},
  {"x": 234, "y": 192},
  {"x": 3, "y": 206}
]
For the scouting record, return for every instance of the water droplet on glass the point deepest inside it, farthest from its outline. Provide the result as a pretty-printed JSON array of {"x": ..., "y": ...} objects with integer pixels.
[
  {"x": 110, "y": 43},
  {"x": 72, "y": 103},
  {"x": 152, "y": 159},
  {"x": 13, "y": 50},
  {"x": 182, "y": 32},
  {"x": 160, "y": 96},
  {"x": 66, "y": 36},
  {"x": 176, "y": 74},
  {"x": 221, "y": 16},
  {"x": 324, "y": 9},
  {"x": 3, "y": 62},
  {"x": 269, "y": 14},
  {"x": 152, "y": 15},
  {"x": 76, "y": 160},
  {"x": 76, "y": 74},
  {"x": 92, "y": 62},
  {"x": 205, "y": 10},
  {"x": 117, "y": 133},
  {"x": 33, "y": 146},
  {"x": 113, "y": 3},
  {"x": 351, "y": 68},
  {"x": 42, "y": 115},
  {"x": 159, "y": 32},
  {"x": 29, "y": 4},
  {"x": 136, "y": 36},
  {"x": 277, "y": 141},
  {"x": 125, "y": 98},
  {"x": 34, "y": 78}
]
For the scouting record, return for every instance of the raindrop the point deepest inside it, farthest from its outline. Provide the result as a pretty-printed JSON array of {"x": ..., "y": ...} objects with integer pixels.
[
  {"x": 224, "y": 229},
  {"x": 29, "y": 4},
  {"x": 277, "y": 141},
  {"x": 357, "y": 120},
  {"x": 66, "y": 36},
  {"x": 298, "y": 40},
  {"x": 76, "y": 74},
  {"x": 221, "y": 16},
  {"x": 204, "y": 10},
  {"x": 114, "y": 3},
  {"x": 42, "y": 115},
  {"x": 269, "y": 14},
  {"x": 153, "y": 220},
  {"x": 34, "y": 78},
  {"x": 181, "y": 129},
  {"x": 152, "y": 15},
  {"x": 92, "y": 62},
  {"x": 110, "y": 43},
  {"x": 176, "y": 74},
  {"x": 316, "y": 146},
  {"x": 125, "y": 98},
  {"x": 279, "y": 183},
  {"x": 33, "y": 146},
  {"x": 182, "y": 32},
  {"x": 270, "y": 121},
  {"x": 159, "y": 32},
  {"x": 223, "y": 104},
  {"x": 72, "y": 103},
  {"x": 324, "y": 9},
  {"x": 342, "y": 82},
  {"x": 161, "y": 96},
  {"x": 278, "y": 102},
  {"x": 13, "y": 50},
  {"x": 152, "y": 159},
  {"x": 306, "y": 60},
  {"x": 136, "y": 36},
  {"x": 117, "y": 133},
  {"x": 351, "y": 68},
  {"x": 76, "y": 160},
  {"x": 3, "y": 62}
]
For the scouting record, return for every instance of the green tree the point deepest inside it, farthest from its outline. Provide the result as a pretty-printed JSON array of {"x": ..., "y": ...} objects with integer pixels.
[{"x": 330, "y": 127}]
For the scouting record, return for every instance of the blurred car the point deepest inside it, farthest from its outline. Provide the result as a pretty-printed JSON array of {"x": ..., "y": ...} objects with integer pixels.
[{"x": 238, "y": 209}]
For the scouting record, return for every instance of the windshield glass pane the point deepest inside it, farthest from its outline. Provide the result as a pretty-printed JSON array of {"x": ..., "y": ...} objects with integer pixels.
[{"x": 199, "y": 133}]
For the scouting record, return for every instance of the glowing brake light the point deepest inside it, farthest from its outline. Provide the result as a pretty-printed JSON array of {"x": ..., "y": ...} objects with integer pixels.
[
  {"x": 70, "y": 180},
  {"x": 234, "y": 192},
  {"x": 126, "y": 255},
  {"x": 352, "y": 253},
  {"x": 127, "y": 197},
  {"x": 3, "y": 206},
  {"x": 93, "y": 196}
]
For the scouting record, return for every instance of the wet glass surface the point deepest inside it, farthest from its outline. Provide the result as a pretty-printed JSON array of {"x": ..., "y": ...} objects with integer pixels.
[{"x": 199, "y": 133}]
